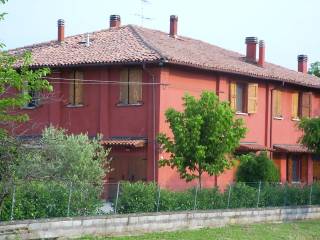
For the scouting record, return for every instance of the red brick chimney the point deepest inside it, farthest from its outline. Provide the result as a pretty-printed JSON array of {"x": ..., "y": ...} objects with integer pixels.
[
  {"x": 115, "y": 21},
  {"x": 251, "y": 49},
  {"x": 60, "y": 30},
  {"x": 173, "y": 26},
  {"x": 303, "y": 63},
  {"x": 262, "y": 53}
]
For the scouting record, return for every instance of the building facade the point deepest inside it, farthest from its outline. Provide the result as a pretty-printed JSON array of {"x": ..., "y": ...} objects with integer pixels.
[{"x": 120, "y": 81}]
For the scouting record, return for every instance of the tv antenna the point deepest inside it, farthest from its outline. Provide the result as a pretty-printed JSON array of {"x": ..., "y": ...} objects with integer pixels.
[{"x": 141, "y": 14}]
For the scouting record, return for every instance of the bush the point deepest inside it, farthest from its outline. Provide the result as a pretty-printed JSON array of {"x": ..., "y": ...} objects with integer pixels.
[
  {"x": 143, "y": 197},
  {"x": 45, "y": 199},
  {"x": 255, "y": 168},
  {"x": 136, "y": 197},
  {"x": 63, "y": 159}
]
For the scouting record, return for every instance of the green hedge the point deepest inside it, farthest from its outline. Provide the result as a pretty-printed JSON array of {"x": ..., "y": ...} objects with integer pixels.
[
  {"x": 50, "y": 199},
  {"x": 143, "y": 197}
]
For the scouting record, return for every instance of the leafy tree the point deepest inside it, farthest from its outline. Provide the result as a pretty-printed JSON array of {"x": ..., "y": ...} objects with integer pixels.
[
  {"x": 204, "y": 134},
  {"x": 311, "y": 133},
  {"x": 255, "y": 168},
  {"x": 315, "y": 69},
  {"x": 17, "y": 80},
  {"x": 57, "y": 161}
]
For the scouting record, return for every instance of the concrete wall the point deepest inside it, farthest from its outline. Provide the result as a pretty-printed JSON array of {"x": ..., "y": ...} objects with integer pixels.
[{"x": 142, "y": 223}]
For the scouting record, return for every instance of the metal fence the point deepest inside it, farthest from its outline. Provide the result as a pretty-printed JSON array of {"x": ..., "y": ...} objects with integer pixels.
[{"x": 45, "y": 199}]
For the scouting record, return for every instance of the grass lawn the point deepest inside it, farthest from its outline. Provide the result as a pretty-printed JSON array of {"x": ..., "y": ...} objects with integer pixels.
[{"x": 292, "y": 230}]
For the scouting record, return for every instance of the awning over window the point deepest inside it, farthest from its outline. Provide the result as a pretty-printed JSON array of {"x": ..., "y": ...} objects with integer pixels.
[
  {"x": 251, "y": 147},
  {"x": 137, "y": 142},
  {"x": 293, "y": 148}
]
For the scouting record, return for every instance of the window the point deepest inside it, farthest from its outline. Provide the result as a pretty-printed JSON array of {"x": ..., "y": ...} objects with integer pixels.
[
  {"x": 76, "y": 88},
  {"x": 35, "y": 99},
  {"x": 301, "y": 105},
  {"x": 276, "y": 103},
  {"x": 244, "y": 97},
  {"x": 130, "y": 86}
]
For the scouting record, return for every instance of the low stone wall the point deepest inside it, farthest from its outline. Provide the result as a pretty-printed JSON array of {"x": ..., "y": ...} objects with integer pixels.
[{"x": 142, "y": 223}]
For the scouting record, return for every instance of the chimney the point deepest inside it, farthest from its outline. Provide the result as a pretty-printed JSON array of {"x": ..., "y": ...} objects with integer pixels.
[
  {"x": 173, "y": 26},
  {"x": 251, "y": 49},
  {"x": 115, "y": 21},
  {"x": 60, "y": 30},
  {"x": 262, "y": 53},
  {"x": 303, "y": 63}
]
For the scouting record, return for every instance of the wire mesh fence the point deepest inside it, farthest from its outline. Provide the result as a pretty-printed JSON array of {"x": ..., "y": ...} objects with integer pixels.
[{"x": 47, "y": 199}]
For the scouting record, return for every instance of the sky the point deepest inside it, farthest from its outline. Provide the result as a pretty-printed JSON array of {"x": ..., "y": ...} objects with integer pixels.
[{"x": 288, "y": 27}]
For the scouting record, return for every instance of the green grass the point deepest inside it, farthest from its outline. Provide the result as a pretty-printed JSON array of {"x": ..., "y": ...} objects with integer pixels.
[{"x": 293, "y": 230}]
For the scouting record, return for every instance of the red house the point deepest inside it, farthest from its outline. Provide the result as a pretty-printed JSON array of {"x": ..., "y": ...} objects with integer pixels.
[{"x": 119, "y": 81}]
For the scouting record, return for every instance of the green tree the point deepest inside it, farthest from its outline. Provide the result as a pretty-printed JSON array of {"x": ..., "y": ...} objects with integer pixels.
[
  {"x": 315, "y": 69},
  {"x": 17, "y": 80},
  {"x": 255, "y": 168},
  {"x": 204, "y": 136},
  {"x": 311, "y": 133}
]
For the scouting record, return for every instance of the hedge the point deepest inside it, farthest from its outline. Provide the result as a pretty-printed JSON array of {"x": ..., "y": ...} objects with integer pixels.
[{"x": 144, "y": 197}]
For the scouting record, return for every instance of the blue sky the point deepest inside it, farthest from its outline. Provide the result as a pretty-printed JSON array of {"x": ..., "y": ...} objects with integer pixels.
[{"x": 289, "y": 27}]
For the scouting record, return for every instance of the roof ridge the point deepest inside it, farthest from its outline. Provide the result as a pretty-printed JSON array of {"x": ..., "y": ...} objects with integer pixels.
[{"x": 147, "y": 44}]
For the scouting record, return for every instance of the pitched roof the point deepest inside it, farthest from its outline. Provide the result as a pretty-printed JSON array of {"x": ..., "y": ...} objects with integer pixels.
[{"x": 133, "y": 44}]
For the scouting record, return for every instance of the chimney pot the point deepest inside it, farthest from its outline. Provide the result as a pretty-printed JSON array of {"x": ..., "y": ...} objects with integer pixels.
[
  {"x": 60, "y": 30},
  {"x": 251, "y": 49},
  {"x": 115, "y": 21},
  {"x": 173, "y": 25},
  {"x": 302, "y": 63},
  {"x": 262, "y": 50}
]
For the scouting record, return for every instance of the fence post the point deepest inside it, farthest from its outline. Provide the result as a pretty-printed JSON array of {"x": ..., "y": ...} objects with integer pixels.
[
  {"x": 158, "y": 200},
  {"x": 229, "y": 195},
  {"x": 117, "y": 197},
  {"x": 13, "y": 201},
  {"x": 310, "y": 196},
  {"x": 259, "y": 191},
  {"x": 195, "y": 198},
  {"x": 69, "y": 199},
  {"x": 285, "y": 196}
]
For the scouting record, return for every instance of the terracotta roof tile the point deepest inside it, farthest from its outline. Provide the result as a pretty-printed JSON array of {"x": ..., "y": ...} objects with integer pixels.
[
  {"x": 251, "y": 146},
  {"x": 125, "y": 142},
  {"x": 294, "y": 148},
  {"x": 130, "y": 43}
]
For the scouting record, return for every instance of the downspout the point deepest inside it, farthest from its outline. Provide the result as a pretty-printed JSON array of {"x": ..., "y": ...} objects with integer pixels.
[{"x": 153, "y": 120}]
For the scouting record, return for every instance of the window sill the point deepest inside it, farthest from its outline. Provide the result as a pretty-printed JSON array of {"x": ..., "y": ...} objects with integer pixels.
[
  {"x": 129, "y": 104},
  {"x": 278, "y": 118},
  {"x": 74, "y": 106},
  {"x": 296, "y": 119},
  {"x": 242, "y": 113}
]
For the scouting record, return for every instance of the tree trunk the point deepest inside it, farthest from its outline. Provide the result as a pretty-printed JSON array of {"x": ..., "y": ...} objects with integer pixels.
[{"x": 200, "y": 175}]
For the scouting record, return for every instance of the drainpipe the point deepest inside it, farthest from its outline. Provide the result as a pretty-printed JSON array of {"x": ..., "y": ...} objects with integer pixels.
[{"x": 153, "y": 120}]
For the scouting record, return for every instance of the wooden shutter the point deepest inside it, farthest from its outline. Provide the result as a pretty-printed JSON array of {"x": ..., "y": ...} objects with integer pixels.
[
  {"x": 295, "y": 105},
  {"x": 306, "y": 104},
  {"x": 71, "y": 88},
  {"x": 123, "y": 95},
  {"x": 78, "y": 88},
  {"x": 233, "y": 95},
  {"x": 135, "y": 87},
  {"x": 252, "y": 97},
  {"x": 277, "y": 103}
]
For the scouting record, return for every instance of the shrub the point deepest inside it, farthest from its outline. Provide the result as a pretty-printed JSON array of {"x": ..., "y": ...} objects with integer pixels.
[
  {"x": 255, "y": 168},
  {"x": 45, "y": 199},
  {"x": 136, "y": 197},
  {"x": 242, "y": 196}
]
